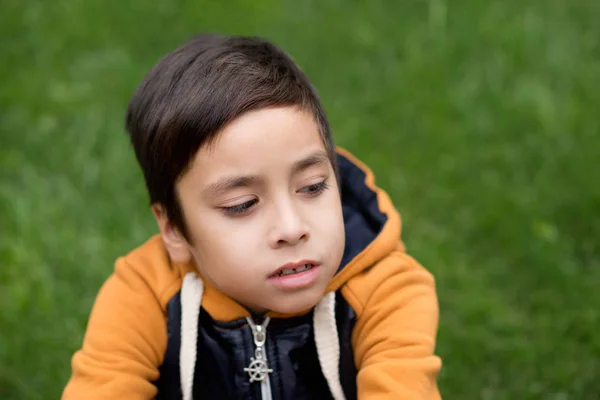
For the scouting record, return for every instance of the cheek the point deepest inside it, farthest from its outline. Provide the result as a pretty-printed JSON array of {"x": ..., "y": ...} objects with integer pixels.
[
  {"x": 225, "y": 245},
  {"x": 329, "y": 218},
  {"x": 224, "y": 263}
]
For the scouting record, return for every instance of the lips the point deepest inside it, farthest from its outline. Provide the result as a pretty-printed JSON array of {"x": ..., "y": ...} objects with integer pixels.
[{"x": 293, "y": 268}]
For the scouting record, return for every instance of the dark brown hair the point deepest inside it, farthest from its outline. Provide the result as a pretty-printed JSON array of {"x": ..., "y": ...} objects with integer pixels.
[{"x": 194, "y": 91}]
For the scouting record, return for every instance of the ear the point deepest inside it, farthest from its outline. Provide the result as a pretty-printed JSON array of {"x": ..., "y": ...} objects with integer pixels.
[{"x": 176, "y": 244}]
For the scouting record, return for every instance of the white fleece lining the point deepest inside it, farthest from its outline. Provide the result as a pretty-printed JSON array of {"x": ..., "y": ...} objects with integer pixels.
[
  {"x": 327, "y": 342},
  {"x": 191, "y": 298}
]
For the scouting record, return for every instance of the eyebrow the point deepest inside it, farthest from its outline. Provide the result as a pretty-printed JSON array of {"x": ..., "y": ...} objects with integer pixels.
[
  {"x": 229, "y": 183},
  {"x": 318, "y": 158},
  {"x": 226, "y": 184}
]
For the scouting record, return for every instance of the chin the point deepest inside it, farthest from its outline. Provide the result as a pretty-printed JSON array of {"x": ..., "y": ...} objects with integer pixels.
[{"x": 298, "y": 303}]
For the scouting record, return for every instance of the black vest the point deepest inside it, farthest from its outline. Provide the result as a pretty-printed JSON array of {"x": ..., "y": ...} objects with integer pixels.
[{"x": 224, "y": 349}]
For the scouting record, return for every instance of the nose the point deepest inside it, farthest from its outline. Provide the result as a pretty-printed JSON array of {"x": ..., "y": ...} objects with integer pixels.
[{"x": 289, "y": 227}]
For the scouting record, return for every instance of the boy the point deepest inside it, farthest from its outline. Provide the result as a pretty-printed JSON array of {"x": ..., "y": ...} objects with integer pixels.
[{"x": 278, "y": 273}]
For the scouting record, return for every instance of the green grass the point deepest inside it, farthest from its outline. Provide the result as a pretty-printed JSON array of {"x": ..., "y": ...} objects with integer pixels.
[{"x": 479, "y": 117}]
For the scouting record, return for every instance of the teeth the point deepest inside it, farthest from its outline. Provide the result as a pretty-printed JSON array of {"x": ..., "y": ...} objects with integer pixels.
[
  {"x": 290, "y": 271},
  {"x": 302, "y": 268}
]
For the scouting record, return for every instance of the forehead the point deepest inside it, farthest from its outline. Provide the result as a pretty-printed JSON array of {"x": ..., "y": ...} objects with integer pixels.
[{"x": 258, "y": 142}]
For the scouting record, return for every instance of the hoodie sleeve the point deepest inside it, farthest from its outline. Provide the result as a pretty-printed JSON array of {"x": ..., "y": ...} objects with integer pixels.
[
  {"x": 124, "y": 342},
  {"x": 395, "y": 333}
]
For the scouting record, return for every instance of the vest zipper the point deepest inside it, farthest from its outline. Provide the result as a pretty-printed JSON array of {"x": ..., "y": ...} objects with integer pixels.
[{"x": 259, "y": 370}]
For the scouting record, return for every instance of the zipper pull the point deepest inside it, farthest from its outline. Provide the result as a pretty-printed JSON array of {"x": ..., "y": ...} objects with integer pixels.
[{"x": 258, "y": 370}]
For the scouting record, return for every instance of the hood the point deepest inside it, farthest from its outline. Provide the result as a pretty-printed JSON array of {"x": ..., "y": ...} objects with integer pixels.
[{"x": 371, "y": 222}]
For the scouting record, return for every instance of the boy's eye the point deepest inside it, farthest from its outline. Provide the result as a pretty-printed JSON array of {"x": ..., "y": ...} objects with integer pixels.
[
  {"x": 315, "y": 189},
  {"x": 240, "y": 208}
]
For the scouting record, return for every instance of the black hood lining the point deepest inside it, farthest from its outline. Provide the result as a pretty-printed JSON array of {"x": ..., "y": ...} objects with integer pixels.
[{"x": 363, "y": 220}]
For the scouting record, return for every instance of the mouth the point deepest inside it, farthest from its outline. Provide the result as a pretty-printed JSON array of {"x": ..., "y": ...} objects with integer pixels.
[{"x": 293, "y": 268}]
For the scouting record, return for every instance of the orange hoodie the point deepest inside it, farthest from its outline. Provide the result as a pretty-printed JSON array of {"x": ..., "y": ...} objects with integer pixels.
[{"x": 374, "y": 332}]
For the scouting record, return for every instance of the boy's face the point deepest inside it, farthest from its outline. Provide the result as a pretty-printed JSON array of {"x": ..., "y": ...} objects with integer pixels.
[{"x": 261, "y": 198}]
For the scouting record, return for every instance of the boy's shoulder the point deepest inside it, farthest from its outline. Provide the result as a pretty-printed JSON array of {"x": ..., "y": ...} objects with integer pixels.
[
  {"x": 388, "y": 280},
  {"x": 148, "y": 267}
]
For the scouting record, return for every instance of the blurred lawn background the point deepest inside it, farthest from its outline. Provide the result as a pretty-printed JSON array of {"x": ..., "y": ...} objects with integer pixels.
[{"x": 481, "y": 118}]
